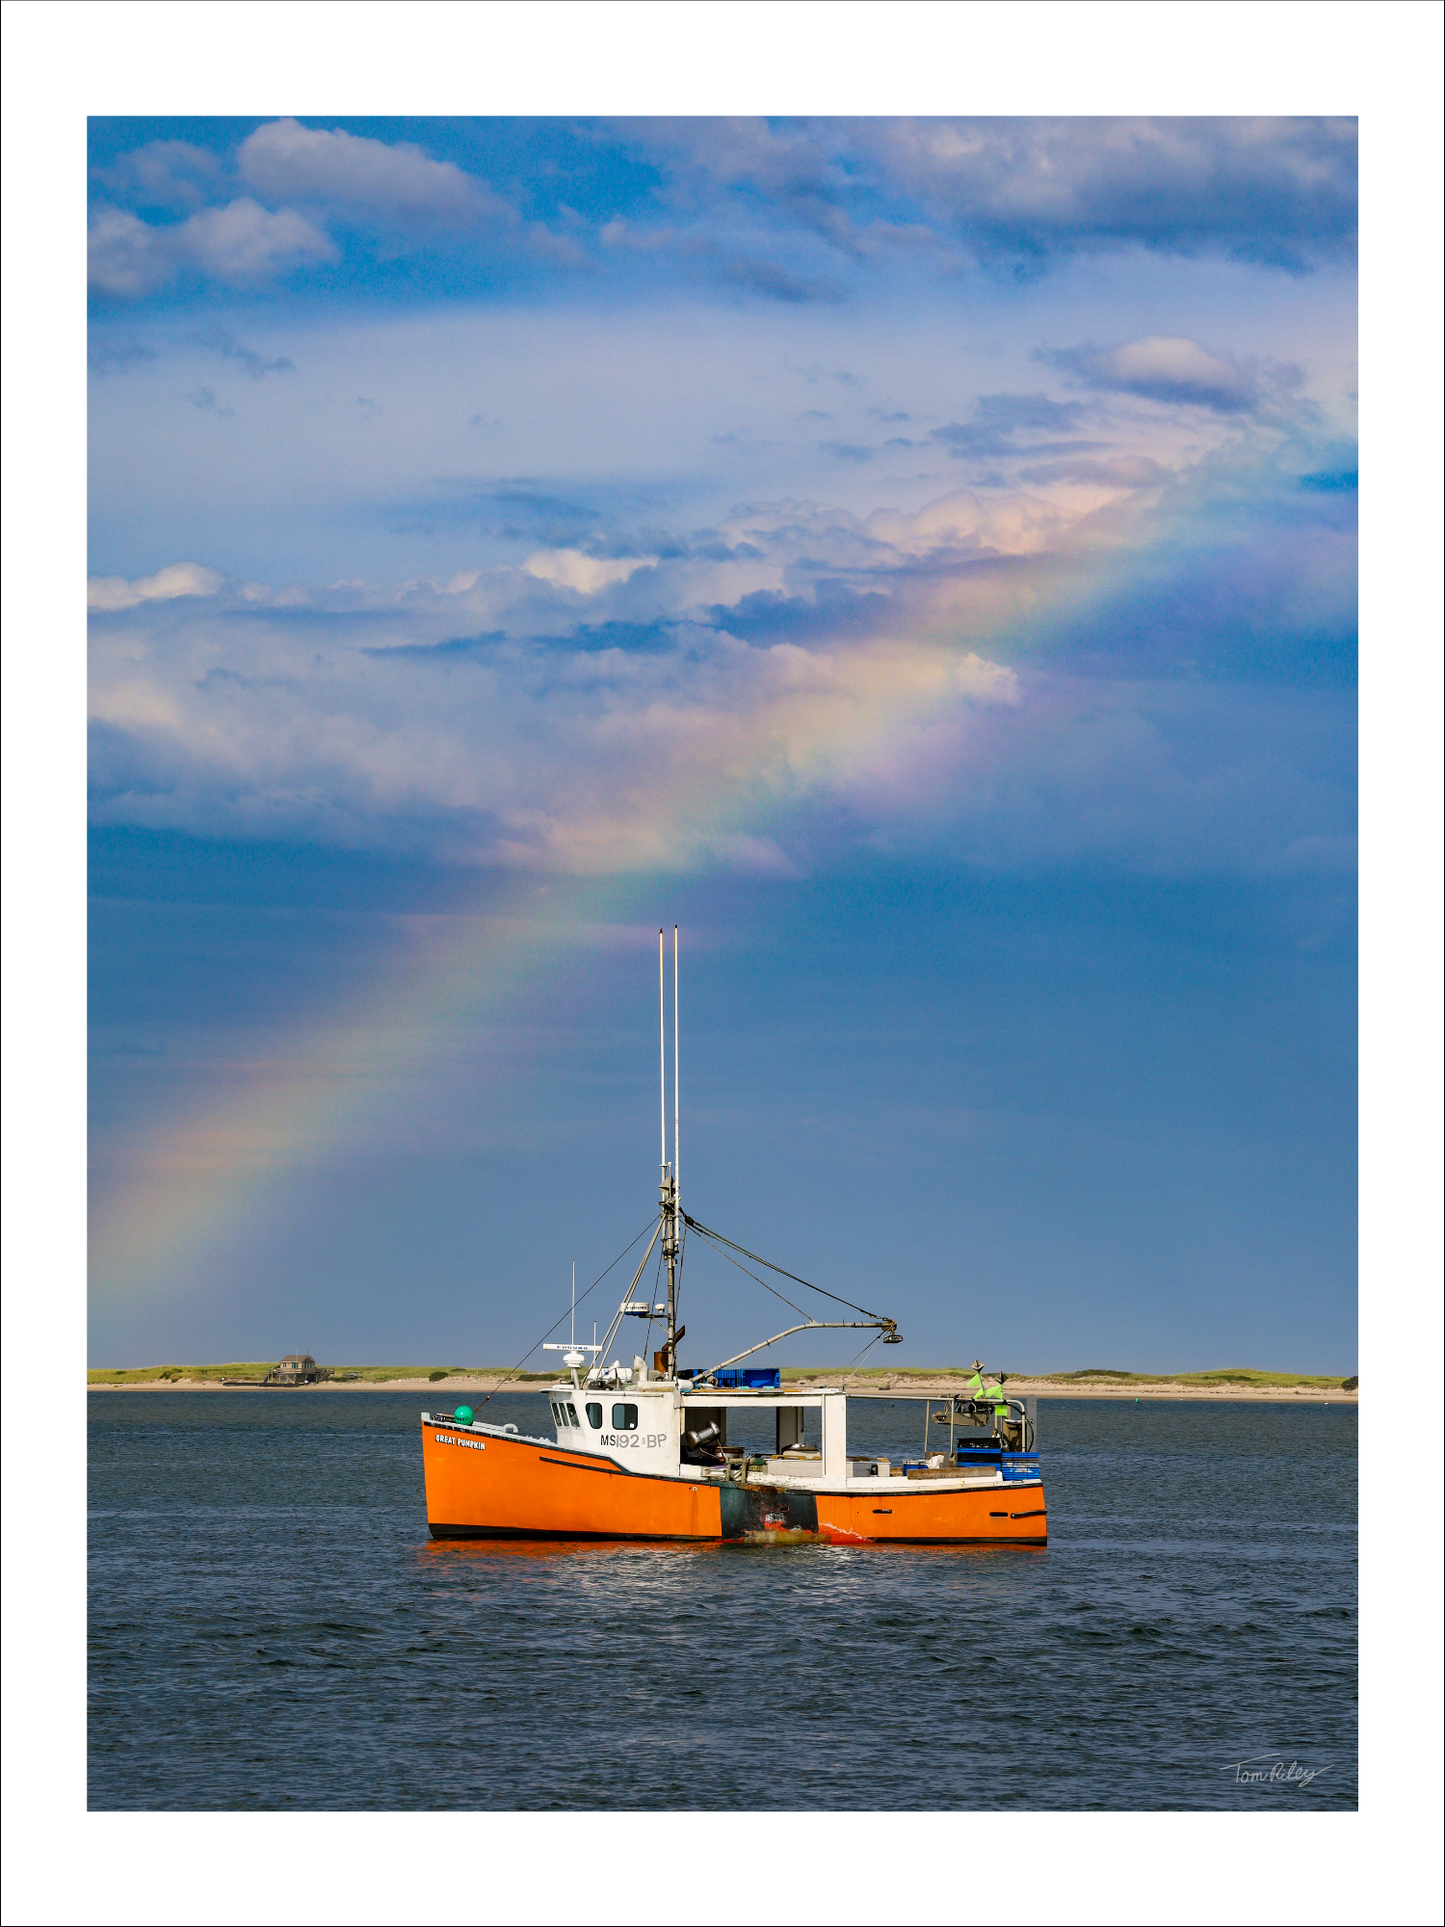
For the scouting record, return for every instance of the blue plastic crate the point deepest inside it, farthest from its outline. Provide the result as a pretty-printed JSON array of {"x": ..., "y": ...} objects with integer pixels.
[
  {"x": 749, "y": 1378},
  {"x": 1020, "y": 1465}
]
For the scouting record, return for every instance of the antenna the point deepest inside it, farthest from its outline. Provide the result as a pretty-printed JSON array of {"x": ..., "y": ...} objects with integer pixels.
[
  {"x": 573, "y": 1327},
  {"x": 668, "y": 1206}
]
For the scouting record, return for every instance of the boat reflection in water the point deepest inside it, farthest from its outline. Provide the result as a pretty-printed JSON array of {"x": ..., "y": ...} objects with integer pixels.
[{"x": 641, "y": 1452}]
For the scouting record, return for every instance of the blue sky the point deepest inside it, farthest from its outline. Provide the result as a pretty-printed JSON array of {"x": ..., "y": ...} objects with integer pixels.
[{"x": 918, "y": 557}]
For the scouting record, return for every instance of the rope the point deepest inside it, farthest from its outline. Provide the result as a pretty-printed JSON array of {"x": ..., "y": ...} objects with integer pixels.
[
  {"x": 851, "y": 1368},
  {"x": 553, "y": 1326},
  {"x": 718, "y": 1238},
  {"x": 765, "y": 1285}
]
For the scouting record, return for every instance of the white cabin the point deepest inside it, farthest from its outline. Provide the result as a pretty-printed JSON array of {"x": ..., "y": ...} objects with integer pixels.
[{"x": 653, "y": 1424}]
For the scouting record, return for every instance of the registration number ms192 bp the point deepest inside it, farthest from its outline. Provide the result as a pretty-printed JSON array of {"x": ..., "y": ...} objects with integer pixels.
[{"x": 651, "y": 1441}]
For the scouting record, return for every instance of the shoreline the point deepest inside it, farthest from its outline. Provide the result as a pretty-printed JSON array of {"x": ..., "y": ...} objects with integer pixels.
[{"x": 924, "y": 1385}]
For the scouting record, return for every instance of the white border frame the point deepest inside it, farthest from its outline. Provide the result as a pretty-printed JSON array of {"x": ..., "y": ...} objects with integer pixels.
[{"x": 1381, "y": 61}]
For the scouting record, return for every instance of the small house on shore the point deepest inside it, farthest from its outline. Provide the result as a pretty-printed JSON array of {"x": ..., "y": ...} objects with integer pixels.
[{"x": 296, "y": 1368}]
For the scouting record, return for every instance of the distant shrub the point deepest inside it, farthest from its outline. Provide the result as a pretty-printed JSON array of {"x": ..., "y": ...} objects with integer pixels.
[
  {"x": 1350, "y": 1385},
  {"x": 434, "y": 1376}
]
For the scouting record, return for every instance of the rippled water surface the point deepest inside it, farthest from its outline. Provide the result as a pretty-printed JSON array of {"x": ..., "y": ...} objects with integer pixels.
[{"x": 272, "y": 1628}]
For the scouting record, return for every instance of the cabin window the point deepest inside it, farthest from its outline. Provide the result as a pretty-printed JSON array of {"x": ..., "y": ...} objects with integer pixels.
[
  {"x": 570, "y": 1415},
  {"x": 594, "y": 1417},
  {"x": 624, "y": 1418}
]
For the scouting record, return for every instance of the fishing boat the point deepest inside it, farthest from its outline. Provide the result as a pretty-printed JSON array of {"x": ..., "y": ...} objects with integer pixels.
[{"x": 641, "y": 1450}]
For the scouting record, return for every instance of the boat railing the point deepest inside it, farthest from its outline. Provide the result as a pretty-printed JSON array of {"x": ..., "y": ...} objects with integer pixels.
[
  {"x": 1004, "y": 1433},
  {"x": 1015, "y": 1427}
]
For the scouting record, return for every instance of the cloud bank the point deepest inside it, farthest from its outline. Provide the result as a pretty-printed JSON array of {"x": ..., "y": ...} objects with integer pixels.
[
  {"x": 792, "y": 682},
  {"x": 777, "y": 210}
]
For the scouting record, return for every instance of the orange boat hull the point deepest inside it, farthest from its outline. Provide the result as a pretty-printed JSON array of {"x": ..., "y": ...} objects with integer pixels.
[
  {"x": 500, "y": 1487},
  {"x": 1011, "y": 1514}
]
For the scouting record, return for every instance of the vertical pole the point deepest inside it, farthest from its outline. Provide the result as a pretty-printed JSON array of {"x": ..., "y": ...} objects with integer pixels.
[
  {"x": 676, "y": 1154},
  {"x": 669, "y": 1172}
]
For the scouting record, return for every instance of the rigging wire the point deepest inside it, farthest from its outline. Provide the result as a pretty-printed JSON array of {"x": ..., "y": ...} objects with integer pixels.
[
  {"x": 850, "y": 1370},
  {"x": 651, "y": 1301},
  {"x": 718, "y": 1238},
  {"x": 765, "y": 1285},
  {"x": 553, "y": 1326}
]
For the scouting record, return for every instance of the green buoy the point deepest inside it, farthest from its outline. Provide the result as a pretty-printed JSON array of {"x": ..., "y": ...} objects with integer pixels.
[{"x": 463, "y": 1415}]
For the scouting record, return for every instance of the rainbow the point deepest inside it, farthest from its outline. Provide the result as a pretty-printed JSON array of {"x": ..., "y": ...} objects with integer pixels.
[{"x": 830, "y": 722}]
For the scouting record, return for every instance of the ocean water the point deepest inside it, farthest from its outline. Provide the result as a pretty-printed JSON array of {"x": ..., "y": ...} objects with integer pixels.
[{"x": 272, "y": 1628}]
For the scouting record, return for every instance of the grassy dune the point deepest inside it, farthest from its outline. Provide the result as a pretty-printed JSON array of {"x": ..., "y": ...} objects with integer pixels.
[
  {"x": 256, "y": 1371},
  {"x": 1231, "y": 1375},
  {"x": 170, "y": 1374},
  {"x": 1092, "y": 1377}
]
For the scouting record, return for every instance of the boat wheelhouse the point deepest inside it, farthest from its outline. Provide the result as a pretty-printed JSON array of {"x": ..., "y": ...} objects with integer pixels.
[{"x": 643, "y": 1451}]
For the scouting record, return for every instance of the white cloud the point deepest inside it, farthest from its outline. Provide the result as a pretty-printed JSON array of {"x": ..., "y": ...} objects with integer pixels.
[
  {"x": 243, "y": 242},
  {"x": 1282, "y": 191},
  {"x": 793, "y": 662},
  {"x": 361, "y": 716},
  {"x": 587, "y": 574},
  {"x": 1175, "y": 370},
  {"x": 180, "y": 579},
  {"x": 288, "y": 162},
  {"x": 171, "y": 174},
  {"x": 126, "y": 257},
  {"x": 1174, "y": 361},
  {"x": 239, "y": 243}
]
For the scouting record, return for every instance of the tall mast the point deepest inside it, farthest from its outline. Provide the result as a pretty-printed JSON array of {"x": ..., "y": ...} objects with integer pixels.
[{"x": 669, "y": 1172}]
